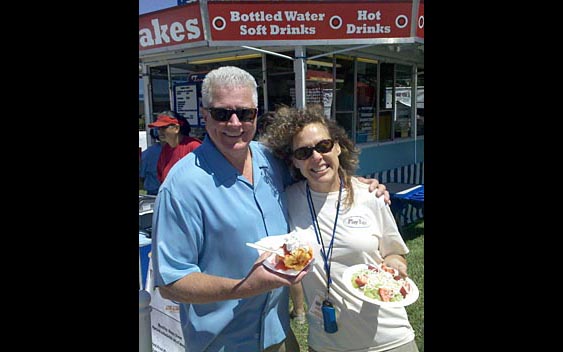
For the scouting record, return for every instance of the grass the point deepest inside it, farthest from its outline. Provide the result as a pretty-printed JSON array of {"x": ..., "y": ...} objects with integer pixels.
[
  {"x": 414, "y": 238},
  {"x": 300, "y": 331}
]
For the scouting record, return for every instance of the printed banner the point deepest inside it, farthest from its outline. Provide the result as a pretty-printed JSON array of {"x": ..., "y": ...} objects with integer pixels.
[{"x": 165, "y": 320}]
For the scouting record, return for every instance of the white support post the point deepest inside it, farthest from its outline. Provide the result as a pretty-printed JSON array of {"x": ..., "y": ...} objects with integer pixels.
[
  {"x": 145, "y": 333},
  {"x": 300, "y": 69}
]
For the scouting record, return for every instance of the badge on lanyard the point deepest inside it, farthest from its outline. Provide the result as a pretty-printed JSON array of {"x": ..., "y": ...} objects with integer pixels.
[
  {"x": 329, "y": 317},
  {"x": 329, "y": 313}
]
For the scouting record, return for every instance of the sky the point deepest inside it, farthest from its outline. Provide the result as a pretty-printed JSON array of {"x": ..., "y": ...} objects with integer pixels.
[{"x": 146, "y": 6}]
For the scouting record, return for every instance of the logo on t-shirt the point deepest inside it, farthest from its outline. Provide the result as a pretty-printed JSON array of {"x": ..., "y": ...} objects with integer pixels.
[{"x": 356, "y": 221}]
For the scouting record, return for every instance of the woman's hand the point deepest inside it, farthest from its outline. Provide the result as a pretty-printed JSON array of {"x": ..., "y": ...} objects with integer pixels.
[{"x": 397, "y": 262}]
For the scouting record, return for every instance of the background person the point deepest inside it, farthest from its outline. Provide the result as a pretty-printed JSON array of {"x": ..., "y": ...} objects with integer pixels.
[
  {"x": 147, "y": 166},
  {"x": 227, "y": 192},
  {"x": 327, "y": 204},
  {"x": 174, "y": 131}
]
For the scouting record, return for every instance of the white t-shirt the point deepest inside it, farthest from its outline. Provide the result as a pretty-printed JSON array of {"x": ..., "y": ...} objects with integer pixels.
[{"x": 365, "y": 233}]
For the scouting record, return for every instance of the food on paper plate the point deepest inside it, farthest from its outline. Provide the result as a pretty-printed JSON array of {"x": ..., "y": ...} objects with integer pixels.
[
  {"x": 381, "y": 282},
  {"x": 297, "y": 254}
]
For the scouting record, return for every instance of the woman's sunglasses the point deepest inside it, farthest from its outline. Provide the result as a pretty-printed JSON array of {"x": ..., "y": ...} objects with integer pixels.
[
  {"x": 223, "y": 115},
  {"x": 322, "y": 147}
]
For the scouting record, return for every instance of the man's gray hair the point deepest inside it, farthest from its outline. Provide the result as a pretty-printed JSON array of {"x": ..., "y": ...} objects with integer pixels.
[{"x": 227, "y": 77}]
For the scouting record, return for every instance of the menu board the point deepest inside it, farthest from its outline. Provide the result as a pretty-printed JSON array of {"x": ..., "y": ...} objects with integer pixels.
[
  {"x": 365, "y": 131},
  {"x": 186, "y": 102},
  {"x": 315, "y": 94}
]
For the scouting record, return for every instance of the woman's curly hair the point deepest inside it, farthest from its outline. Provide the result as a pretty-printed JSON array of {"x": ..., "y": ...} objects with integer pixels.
[{"x": 288, "y": 122}]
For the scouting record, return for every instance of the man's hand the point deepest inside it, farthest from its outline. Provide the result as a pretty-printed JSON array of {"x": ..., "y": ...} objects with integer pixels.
[
  {"x": 380, "y": 188},
  {"x": 261, "y": 279}
]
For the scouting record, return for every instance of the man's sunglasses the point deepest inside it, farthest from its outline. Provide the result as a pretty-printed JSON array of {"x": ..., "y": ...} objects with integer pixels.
[
  {"x": 244, "y": 114},
  {"x": 322, "y": 147}
]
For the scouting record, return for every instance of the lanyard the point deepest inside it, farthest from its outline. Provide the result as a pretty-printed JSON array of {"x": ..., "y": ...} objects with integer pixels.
[{"x": 326, "y": 254}]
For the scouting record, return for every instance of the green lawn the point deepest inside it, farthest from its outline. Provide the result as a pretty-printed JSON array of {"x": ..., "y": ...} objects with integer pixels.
[{"x": 414, "y": 237}]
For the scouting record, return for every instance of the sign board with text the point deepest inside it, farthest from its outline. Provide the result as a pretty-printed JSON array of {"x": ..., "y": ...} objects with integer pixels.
[
  {"x": 306, "y": 20},
  {"x": 273, "y": 22},
  {"x": 175, "y": 26},
  {"x": 165, "y": 320},
  {"x": 186, "y": 102}
]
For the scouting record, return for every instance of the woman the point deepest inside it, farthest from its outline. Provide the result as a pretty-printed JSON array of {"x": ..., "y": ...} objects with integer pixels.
[
  {"x": 174, "y": 131},
  {"x": 332, "y": 209}
]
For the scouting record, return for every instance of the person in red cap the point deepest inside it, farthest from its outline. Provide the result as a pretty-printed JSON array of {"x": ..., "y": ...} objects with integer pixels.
[{"x": 174, "y": 131}]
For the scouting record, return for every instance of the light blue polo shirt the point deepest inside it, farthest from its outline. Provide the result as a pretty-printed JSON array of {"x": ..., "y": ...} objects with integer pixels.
[{"x": 204, "y": 214}]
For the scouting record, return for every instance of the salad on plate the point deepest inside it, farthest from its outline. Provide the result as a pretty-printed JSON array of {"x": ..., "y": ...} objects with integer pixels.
[{"x": 380, "y": 284}]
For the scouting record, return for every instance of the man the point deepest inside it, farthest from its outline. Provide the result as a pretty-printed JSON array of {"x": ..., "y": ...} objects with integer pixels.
[
  {"x": 147, "y": 167},
  {"x": 227, "y": 192}
]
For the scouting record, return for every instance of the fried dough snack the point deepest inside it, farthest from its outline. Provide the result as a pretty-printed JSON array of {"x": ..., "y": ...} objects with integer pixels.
[{"x": 298, "y": 258}]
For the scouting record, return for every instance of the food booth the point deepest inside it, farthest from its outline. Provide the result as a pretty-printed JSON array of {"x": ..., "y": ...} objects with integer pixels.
[{"x": 363, "y": 60}]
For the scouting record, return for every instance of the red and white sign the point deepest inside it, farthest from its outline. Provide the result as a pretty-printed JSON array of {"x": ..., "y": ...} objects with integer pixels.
[
  {"x": 178, "y": 25},
  {"x": 420, "y": 24},
  {"x": 310, "y": 20},
  {"x": 271, "y": 21}
]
